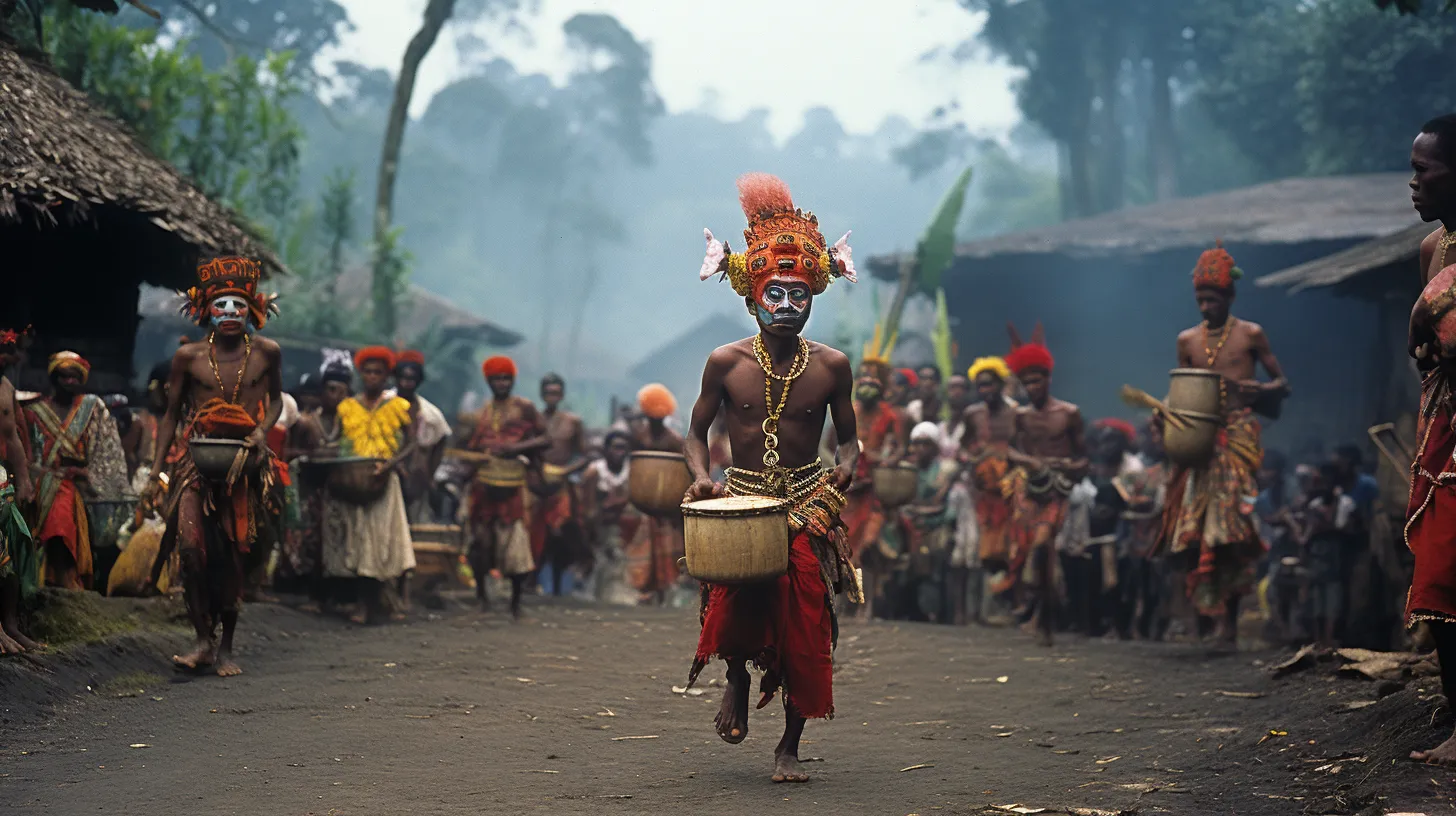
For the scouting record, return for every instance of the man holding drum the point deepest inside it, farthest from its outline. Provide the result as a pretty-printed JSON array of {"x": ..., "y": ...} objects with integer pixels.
[
  {"x": 227, "y": 386},
  {"x": 777, "y": 388},
  {"x": 1208, "y": 522}
]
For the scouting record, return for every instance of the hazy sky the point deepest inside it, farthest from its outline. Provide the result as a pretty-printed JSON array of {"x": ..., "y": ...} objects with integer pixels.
[{"x": 857, "y": 57}]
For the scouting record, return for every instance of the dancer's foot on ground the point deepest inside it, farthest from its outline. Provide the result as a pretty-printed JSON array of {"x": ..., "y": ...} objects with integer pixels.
[
  {"x": 732, "y": 720},
  {"x": 26, "y": 643},
  {"x": 1443, "y": 754},
  {"x": 226, "y": 666},
  {"x": 203, "y": 655},
  {"x": 9, "y": 646},
  {"x": 788, "y": 769}
]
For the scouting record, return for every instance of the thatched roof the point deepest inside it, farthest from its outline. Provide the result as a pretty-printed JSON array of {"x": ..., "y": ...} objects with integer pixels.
[
  {"x": 1292, "y": 211},
  {"x": 61, "y": 155},
  {"x": 1400, "y": 249}
]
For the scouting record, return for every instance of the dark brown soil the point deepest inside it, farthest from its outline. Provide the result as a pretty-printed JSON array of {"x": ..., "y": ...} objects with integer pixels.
[{"x": 469, "y": 713}]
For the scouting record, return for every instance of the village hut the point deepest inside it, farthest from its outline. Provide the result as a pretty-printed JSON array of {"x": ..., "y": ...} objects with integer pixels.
[
  {"x": 88, "y": 215},
  {"x": 1114, "y": 291}
]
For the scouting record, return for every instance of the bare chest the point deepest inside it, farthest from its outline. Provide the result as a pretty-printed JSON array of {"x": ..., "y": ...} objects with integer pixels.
[
  {"x": 1046, "y": 432},
  {"x": 235, "y": 377}
]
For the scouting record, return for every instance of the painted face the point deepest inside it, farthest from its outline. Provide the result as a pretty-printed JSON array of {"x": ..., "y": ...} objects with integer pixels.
[
  {"x": 782, "y": 303},
  {"x": 868, "y": 389},
  {"x": 229, "y": 314}
]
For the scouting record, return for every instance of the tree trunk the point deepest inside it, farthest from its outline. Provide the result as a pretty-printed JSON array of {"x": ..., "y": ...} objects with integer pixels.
[
  {"x": 1162, "y": 137},
  {"x": 1079, "y": 169},
  {"x": 1111, "y": 161},
  {"x": 437, "y": 13}
]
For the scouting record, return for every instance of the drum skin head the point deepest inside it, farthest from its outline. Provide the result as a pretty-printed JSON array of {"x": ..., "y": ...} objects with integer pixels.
[{"x": 735, "y": 503}]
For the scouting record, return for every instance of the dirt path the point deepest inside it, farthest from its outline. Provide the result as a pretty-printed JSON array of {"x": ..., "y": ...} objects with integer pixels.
[{"x": 573, "y": 712}]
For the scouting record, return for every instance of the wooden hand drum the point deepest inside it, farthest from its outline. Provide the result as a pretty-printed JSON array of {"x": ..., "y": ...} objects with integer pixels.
[
  {"x": 895, "y": 485},
  {"x": 657, "y": 481},
  {"x": 737, "y": 539}
]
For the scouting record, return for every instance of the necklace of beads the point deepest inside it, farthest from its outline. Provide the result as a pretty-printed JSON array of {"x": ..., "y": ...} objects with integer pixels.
[
  {"x": 1213, "y": 353},
  {"x": 771, "y": 421},
  {"x": 242, "y": 369}
]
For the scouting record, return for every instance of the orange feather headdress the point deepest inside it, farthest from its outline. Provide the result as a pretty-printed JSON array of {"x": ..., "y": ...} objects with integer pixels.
[
  {"x": 782, "y": 241},
  {"x": 229, "y": 276}
]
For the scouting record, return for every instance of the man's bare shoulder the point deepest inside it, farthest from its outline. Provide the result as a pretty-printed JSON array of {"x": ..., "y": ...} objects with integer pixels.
[
  {"x": 828, "y": 354},
  {"x": 267, "y": 345},
  {"x": 7, "y": 391},
  {"x": 1250, "y": 328},
  {"x": 976, "y": 409},
  {"x": 1063, "y": 406},
  {"x": 189, "y": 352},
  {"x": 731, "y": 353},
  {"x": 1190, "y": 334}
]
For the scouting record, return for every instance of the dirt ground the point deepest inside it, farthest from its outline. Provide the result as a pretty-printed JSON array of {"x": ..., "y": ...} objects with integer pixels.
[{"x": 573, "y": 711}]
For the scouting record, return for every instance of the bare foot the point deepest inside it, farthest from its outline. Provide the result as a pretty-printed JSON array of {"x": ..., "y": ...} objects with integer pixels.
[
  {"x": 226, "y": 667},
  {"x": 26, "y": 644},
  {"x": 732, "y": 719},
  {"x": 203, "y": 655},
  {"x": 9, "y": 646},
  {"x": 1443, "y": 754},
  {"x": 787, "y": 769}
]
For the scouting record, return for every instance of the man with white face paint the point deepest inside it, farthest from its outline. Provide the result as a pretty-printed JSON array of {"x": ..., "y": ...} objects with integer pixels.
[{"x": 227, "y": 386}]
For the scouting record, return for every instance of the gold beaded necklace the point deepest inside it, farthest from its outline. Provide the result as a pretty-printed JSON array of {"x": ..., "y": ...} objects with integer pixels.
[
  {"x": 774, "y": 475},
  {"x": 1212, "y": 354},
  {"x": 1444, "y": 242},
  {"x": 242, "y": 369}
]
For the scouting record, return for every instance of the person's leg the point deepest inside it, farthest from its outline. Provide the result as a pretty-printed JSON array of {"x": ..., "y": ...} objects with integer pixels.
[
  {"x": 732, "y": 720},
  {"x": 1445, "y": 637},
  {"x": 191, "y": 538},
  {"x": 786, "y": 753}
]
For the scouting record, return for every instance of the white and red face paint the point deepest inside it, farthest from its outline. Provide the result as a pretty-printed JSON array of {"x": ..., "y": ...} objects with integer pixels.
[
  {"x": 782, "y": 301},
  {"x": 229, "y": 313}
]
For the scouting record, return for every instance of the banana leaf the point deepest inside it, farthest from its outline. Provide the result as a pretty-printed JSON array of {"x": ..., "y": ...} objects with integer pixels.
[{"x": 936, "y": 249}]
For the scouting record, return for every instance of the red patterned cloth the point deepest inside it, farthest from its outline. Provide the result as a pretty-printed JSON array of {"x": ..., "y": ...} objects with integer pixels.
[
  {"x": 785, "y": 627},
  {"x": 1430, "y": 526},
  {"x": 550, "y": 516},
  {"x": 989, "y": 467}
]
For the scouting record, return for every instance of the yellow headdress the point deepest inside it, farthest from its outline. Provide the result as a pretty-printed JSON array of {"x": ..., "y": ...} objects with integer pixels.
[
  {"x": 994, "y": 365},
  {"x": 877, "y": 353}
]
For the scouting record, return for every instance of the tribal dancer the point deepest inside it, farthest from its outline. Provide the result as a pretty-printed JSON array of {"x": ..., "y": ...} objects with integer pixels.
[
  {"x": 228, "y": 386},
  {"x": 1431, "y": 516},
  {"x": 653, "y": 551},
  {"x": 431, "y": 435},
  {"x": 77, "y": 456},
  {"x": 556, "y": 530},
  {"x": 991, "y": 424},
  {"x": 20, "y": 562},
  {"x": 1050, "y": 458},
  {"x": 1208, "y": 522},
  {"x": 509, "y": 428},
  {"x": 881, "y": 433},
  {"x": 372, "y": 541},
  {"x": 787, "y": 627}
]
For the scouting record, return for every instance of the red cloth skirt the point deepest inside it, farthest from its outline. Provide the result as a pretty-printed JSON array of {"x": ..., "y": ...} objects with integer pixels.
[
  {"x": 1430, "y": 528},
  {"x": 785, "y": 627}
]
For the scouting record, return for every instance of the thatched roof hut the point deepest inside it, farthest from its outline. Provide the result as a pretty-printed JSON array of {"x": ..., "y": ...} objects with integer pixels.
[
  {"x": 1114, "y": 291},
  {"x": 87, "y": 214},
  {"x": 1369, "y": 270}
]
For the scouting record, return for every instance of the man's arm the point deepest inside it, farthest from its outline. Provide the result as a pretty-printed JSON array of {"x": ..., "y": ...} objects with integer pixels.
[
  {"x": 1185, "y": 360},
  {"x": 841, "y": 411},
  {"x": 1265, "y": 354},
  {"x": 539, "y": 441},
  {"x": 274, "y": 376},
  {"x": 15, "y": 459},
  {"x": 410, "y": 444},
  {"x": 705, "y": 410},
  {"x": 1077, "y": 466}
]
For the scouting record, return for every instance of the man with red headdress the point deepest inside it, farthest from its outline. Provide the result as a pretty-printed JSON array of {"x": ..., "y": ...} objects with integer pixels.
[
  {"x": 509, "y": 431},
  {"x": 1050, "y": 458},
  {"x": 228, "y": 386},
  {"x": 1209, "y": 526},
  {"x": 20, "y": 561},
  {"x": 77, "y": 456},
  {"x": 371, "y": 542},
  {"x": 777, "y": 389},
  {"x": 651, "y": 555}
]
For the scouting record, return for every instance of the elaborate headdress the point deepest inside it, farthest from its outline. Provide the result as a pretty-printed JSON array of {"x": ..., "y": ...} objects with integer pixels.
[
  {"x": 656, "y": 401},
  {"x": 374, "y": 354},
  {"x": 911, "y": 378},
  {"x": 877, "y": 354},
  {"x": 1029, "y": 356},
  {"x": 993, "y": 365},
  {"x": 69, "y": 360},
  {"x": 781, "y": 239},
  {"x": 1216, "y": 270},
  {"x": 498, "y": 366},
  {"x": 229, "y": 276}
]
